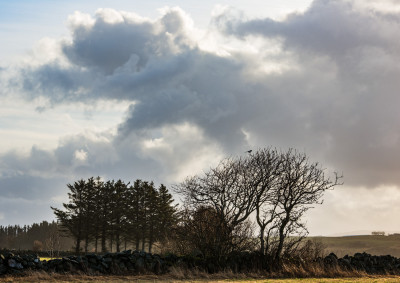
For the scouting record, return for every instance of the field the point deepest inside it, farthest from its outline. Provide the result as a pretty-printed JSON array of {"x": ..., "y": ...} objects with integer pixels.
[{"x": 375, "y": 245}]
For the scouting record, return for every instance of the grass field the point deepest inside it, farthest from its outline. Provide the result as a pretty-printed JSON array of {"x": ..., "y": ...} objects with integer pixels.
[{"x": 375, "y": 245}]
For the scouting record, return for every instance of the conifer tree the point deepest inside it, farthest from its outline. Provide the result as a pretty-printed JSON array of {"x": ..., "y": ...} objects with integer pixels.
[
  {"x": 167, "y": 213},
  {"x": 72, "y": 219}
]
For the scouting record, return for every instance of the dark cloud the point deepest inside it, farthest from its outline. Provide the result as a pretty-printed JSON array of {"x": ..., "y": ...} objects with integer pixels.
[
  {"x": 31, "y": 188},
  {"x": 58, "y": 83},
  {"x": 38, "y": 179},
  {"x": 106, "y": 46},
  {"x": 342, "y": 101},
  {"x": 335, "y": 96},
  {"x": 327, "y": 28}
]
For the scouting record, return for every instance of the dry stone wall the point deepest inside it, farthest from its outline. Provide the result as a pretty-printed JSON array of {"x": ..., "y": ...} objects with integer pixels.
[
  {"x": 110, "y": 263},
  {"x": 136, "y": 262}
]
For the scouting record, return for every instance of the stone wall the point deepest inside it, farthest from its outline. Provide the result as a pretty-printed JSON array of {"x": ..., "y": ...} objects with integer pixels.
[
  {"x": 370, "y": 264},
  {"x": 110, "y": 263},
  {"x": 136, "y": 262}
]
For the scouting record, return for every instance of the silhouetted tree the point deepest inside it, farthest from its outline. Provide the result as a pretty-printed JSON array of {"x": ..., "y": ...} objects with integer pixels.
[
  {"x": 134, "y": 212},
  {"x": 301, "y": 185},
  {"x": 73, "y": 218},
  {"x": 228, "y": 189},
  {"x": 278, "y": 187},
  {"x": 167, "y": 216}
]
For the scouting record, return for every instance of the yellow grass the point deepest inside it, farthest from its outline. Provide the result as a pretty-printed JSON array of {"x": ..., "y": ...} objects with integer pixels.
[{"x": 48, "y": 258}]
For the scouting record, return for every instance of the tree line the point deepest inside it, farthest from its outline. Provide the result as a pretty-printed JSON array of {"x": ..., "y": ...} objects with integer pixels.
[
  {"x": 254, "y": 202},
  {"x": 38, "y": 237},
  {"x": 111, "y": 215}
]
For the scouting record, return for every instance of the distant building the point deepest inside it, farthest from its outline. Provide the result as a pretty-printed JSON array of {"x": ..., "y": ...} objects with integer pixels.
[{"x": 378, "y": 233}]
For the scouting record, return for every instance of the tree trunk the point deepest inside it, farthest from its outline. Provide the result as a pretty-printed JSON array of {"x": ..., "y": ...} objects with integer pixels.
[
  {"x": 137, "y": 243},
  {"x": 117, "y": 242},
  {"x": 103, "y": 240},
  {"x": 111, "y": 241},
  {"x": 95, "y": 243},
  {"x": 281, "y": 239},
  {"x": 86, "y": 243},
  {"x": 143, "y": 242},
  {"x": 262, "y": 240},
  {"x": 78, "y": 245}
]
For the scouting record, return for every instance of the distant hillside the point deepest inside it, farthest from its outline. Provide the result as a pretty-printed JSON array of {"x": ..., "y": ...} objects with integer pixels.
[
  {"x": 360, "y": 233},
  {"x": 375, "y": 245}
]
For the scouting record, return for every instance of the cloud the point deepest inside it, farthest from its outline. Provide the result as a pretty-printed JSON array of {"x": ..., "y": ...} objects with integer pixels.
[
  {"x": 324, "y": 81},
  {"x": 361, "y": 207},
  {"x": 153, "y": 64},
  {"x": 340, "y": 94},
  {"x": 331, "y": 28}
]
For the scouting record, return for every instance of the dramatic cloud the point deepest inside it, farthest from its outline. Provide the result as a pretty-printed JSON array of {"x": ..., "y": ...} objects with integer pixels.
[
  {"x": 324, "y": 81},
  {"x": 343, "y": 87}
]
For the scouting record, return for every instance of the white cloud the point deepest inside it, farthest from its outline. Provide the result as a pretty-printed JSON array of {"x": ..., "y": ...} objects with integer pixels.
[
  {"x": 183, "y": 149},
  {"x": 164, "y": 104},
  {"x": 80, "y": 155},
  {"x": 351, "y": 209}
]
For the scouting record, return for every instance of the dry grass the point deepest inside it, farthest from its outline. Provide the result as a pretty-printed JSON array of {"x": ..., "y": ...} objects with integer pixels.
[
  {"x": 289, "y": 273},
  {"x": 195, "y": 275},
  {"x": 165, "y": 279}
]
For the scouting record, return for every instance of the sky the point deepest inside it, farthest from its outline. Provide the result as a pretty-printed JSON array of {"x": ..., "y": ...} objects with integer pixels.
[{"x": 162, "y": 90}]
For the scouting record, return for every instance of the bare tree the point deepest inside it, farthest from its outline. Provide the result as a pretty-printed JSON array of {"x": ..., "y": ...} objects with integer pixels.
[
  {"x": 52, "y": 242},
  {"x": 301, "y": 185},
  {"x": 264, "y": 167},
  {"x": 228, "y": 191},
  {"x": 278, "y": 187},
  {"x": 201, "y": 230}
]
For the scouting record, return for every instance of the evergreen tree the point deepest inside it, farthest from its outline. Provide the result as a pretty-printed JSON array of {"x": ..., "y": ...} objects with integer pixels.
[
  {"x": 167, "y": 213},
  {"x": 152, "y": 214},
  {"x": 134, "y": 213},
  {"x": 72, "y": 219}
]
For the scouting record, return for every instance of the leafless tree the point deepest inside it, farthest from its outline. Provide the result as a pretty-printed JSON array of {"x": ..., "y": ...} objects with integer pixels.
[
  {"x": 202, "y": 230},
  {"x": 301, "y": 184},
  {"x": 278, "y": 187},
  {"x": 226, "y": 189},
  {"x": 52, "y": 242},
  {"x": 264, "y": 168}
]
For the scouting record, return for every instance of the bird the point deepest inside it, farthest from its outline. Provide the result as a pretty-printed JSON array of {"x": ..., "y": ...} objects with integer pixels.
[{"x": 249, "y": 151}]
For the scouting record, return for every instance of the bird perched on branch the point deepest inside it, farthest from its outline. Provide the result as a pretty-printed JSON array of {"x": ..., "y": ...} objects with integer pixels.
[{"x": 249, "y": 151}]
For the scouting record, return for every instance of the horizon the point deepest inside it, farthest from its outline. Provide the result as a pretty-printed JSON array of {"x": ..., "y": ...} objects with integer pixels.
[{"x": 164, "y": 90}]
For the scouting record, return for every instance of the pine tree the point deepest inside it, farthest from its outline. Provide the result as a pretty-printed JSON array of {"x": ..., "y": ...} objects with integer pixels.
[
  {"x": 118, "y": 211},
  {"x": 72, "y": 219},
  {"x": 167, "y": 213},
  {"x": 134, "y": 195},
  {"x": 152, "y": 214}
]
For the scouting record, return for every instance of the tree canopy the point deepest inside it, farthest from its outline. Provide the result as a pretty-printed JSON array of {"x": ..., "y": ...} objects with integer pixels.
[{"x": 114, "y": 213}]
